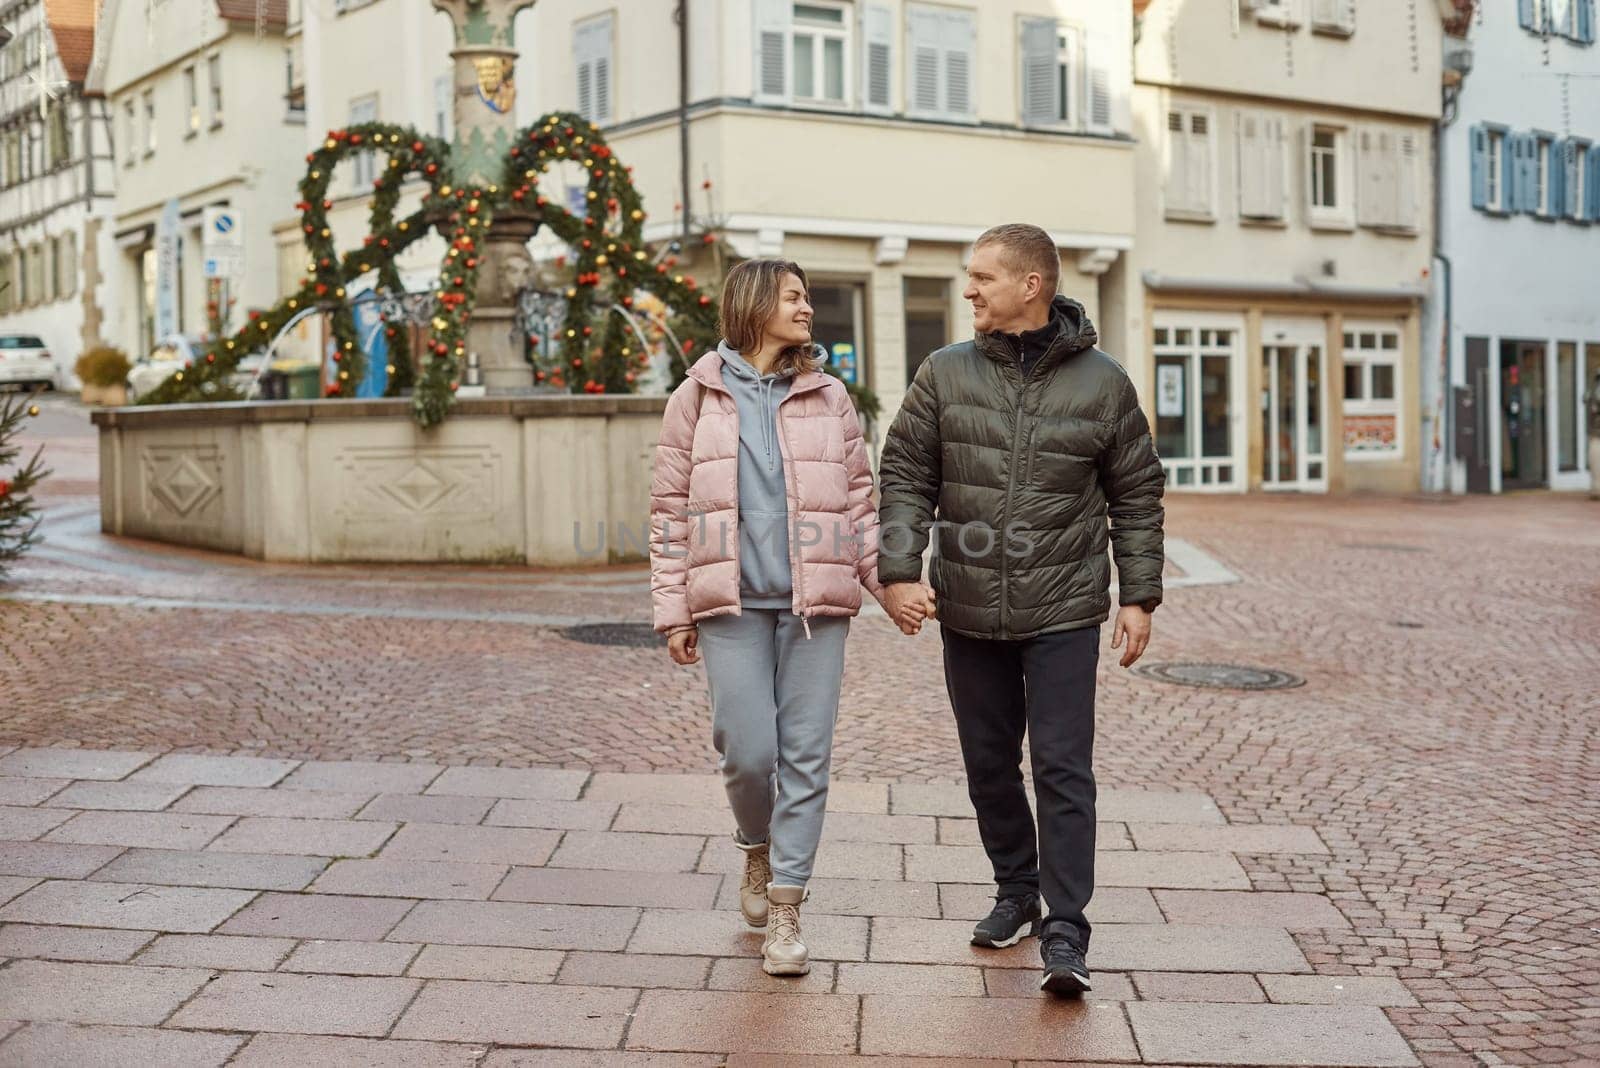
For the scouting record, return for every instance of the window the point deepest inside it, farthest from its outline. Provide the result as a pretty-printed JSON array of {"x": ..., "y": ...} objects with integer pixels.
[
  {"x": 1569, "y": 400},
  {"x": 294, "y": 93},
  {"x": 1191, "y": 168},
  {"x": 364, "y": 165},
  {"x": 927, "y": 304},
  {"x": 1194, "y": 399},
  {"x": 191, "y": 95},
  {"x": 1333, "y": 16},
  {"x": 149, "y": 122},
  {"x": 66, "y": 266},
  {"x": 59, "y": 134},
  {"x": 803, "y": 53},
  {"x": 839, "y": 326},
  {"x": 1050, "y": 74},
  {"x": 1390, "y": 174},
  {"x": 941, "y": 42},
  {"x": 1489, "y": 188},
  {"x": 1371, "y": 390},
  {"x": 1541, "y": 196},
  {"x": 130, "y": 132},
  {"x": 820, "y": 43},
  {"x": 442, "y": 117},
  {"x": 1328, "y": 193},
  {"x": 1259, "y": 140},
  {"x": 1574, "y": 163},
  {"x": 214, "y": 83},
  {"x": 1277, "y": 12},
  {"x": 591, "y": 47}
]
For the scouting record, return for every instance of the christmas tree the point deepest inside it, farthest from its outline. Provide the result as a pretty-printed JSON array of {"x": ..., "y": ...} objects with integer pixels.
[{"x": 19, "y": 516}]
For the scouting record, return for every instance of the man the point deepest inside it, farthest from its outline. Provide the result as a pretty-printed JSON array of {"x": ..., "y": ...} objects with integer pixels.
[
  {"x": 1023, "y": 441},
  {"x": 1593, "y": 406}
]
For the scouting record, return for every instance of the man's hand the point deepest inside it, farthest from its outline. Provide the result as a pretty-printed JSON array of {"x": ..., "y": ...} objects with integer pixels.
[
  {"x": 1133, "y": 623},
  {"x": 684, "y": 645},
  {"x": 908, "y": 604}
]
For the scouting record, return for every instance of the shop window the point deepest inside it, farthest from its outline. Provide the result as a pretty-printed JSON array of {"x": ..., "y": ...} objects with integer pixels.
[
  {"x": 1195, "y": 369},
  {"x": 1371, "y": 391},
  {"x": 838, "y": 326},
  {"x": 927, "y": 303}
]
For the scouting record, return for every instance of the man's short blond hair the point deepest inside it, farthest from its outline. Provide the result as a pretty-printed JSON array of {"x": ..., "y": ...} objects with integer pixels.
[{"x": 1026, "y": 249}]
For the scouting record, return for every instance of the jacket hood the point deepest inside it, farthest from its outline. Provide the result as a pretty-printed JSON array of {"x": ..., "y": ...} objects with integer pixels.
[{"x": 1074, "y": 332}]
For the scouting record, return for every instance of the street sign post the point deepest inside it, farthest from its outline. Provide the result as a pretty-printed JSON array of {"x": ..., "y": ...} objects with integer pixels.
[{"x": 222, "y": 243}]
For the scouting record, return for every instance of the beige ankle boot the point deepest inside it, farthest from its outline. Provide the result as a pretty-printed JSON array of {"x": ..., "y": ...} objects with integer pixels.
[
  {"x": 753, "y": 890},
  {"x": 783, "y": 953}
]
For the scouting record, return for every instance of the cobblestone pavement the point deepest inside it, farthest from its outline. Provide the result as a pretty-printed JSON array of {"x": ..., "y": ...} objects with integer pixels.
[{"x": 1445, "y": 750}]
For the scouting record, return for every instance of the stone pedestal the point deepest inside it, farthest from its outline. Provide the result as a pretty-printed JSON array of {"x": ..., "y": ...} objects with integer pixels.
[{"x": 492, "y": 332}]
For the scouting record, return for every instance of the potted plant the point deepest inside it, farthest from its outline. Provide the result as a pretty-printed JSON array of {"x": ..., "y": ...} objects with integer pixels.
[{"x": 104, "y": 373}]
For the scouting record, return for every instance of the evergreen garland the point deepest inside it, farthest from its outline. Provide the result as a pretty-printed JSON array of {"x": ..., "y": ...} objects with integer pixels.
[{"x": 19, "y": 516}]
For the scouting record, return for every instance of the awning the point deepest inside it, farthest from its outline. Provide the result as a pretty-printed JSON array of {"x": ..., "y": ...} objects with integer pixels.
[{"x": 1296, "y": 287}]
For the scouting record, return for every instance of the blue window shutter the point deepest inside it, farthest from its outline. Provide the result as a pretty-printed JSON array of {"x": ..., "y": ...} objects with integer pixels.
[
  {"x": 1557, "y": 178},
  {"x": 1480, "y": 166},
  {"x": 1528, "y": 14},
  {"x": 1593, "y": 169},
  {"x": 1511, "y": 173},
  {"x": 1585, "y": 17}
]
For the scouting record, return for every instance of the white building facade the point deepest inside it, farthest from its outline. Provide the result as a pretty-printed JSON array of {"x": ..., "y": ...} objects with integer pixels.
[
  {"x": 1518, "y": 309},
  {"x": 56, "y": 182}
]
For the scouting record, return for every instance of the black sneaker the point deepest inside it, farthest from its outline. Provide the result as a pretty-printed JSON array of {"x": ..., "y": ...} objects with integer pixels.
[
  {"x": 1010, "y": 921},
  {"x": 1066, "y": 973}
]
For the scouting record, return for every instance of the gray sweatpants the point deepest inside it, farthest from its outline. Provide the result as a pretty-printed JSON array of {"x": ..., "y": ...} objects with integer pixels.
[{"x": 774, "y": 697}]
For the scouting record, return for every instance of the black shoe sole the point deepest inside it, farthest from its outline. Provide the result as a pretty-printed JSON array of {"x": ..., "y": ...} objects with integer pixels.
[
  {"x": 1065, "y": 984},
  {"x": 1027, "y": 930}
]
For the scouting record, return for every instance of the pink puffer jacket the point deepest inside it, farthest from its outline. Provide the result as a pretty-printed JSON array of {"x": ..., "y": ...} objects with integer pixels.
[{"x": 694, "y": 500}]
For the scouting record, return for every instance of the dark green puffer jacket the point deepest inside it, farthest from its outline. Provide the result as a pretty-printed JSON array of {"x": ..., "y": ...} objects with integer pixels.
[{"x": 1037, "y": 466}]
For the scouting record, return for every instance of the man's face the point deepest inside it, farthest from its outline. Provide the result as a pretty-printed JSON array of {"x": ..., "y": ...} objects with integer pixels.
[{"x": 997, "y": 293}]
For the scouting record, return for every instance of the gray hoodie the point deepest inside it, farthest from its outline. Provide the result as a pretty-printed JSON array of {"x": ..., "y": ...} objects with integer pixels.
[{"x": 765, "y": 580}]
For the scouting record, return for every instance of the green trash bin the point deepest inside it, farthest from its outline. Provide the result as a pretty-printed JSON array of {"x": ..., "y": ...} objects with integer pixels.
[{"x": 304, "y": 378}]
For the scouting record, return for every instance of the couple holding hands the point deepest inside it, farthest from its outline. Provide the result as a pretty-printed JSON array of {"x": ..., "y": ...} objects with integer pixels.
[{"x": 1022, "y": 454}]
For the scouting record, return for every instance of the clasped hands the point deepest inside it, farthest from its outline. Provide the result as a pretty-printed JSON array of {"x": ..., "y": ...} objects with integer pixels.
[{"x": 909, "y": 604}]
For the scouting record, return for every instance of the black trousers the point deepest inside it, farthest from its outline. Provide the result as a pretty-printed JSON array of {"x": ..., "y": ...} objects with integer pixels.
[{"x": 1043, "y": 686}]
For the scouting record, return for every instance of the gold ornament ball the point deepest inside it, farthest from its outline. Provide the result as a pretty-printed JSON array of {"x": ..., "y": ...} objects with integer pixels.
[
  {"x": 33, "y": 409},
  {"x": 601, "y": 260}
]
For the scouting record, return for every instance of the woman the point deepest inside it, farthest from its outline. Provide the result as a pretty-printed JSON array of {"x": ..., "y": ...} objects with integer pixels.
[{"x": 763, "y": 532}]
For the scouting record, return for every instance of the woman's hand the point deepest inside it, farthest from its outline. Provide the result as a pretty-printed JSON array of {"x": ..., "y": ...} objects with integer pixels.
[{"x": 684, "y": 645}]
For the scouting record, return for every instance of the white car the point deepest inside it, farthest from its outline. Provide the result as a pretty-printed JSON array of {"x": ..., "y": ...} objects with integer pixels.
[
  {"x": 173, "y": 355},
  {"x": 25, "y": 360}
]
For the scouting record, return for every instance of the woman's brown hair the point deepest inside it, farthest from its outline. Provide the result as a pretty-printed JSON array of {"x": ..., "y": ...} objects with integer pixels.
[{"x": 750, "y": 296}]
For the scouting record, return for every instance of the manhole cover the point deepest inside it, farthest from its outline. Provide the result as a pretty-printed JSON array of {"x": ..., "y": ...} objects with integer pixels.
[
  {"x": 630, "y": 635},
  {"x": 1221, "y": 676}
]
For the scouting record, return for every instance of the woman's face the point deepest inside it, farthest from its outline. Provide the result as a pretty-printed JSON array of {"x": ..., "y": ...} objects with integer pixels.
[{"x": 790, "y": 323}]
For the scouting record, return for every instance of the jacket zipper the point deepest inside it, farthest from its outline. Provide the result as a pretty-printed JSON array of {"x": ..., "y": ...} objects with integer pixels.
[
  {"x": 1011, "y": 484},
  {"x": 1027, "y": 470},
  {"x": 796, "y": 569}
]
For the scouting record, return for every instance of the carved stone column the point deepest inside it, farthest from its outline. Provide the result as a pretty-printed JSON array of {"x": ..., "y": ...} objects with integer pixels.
[{"x": 485, "y": 95}]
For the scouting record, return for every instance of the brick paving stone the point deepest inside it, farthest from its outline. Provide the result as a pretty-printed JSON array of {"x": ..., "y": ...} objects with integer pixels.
[
  {"x": 1024, "y": 983},
  {"x": 235, "y": 953},
  {"x": 1007, "y": 1027},
  {"x": 835, "y": 860},
  {"x": 729, "y": 1022},
  {"x": 16, "y": 790},
  {"x": 20, "y": 824},
  {"x": 1230, "y": 838},
  {"x": 613, "y": 851},
  {"x": 298, "y": 1004},
  {"x": 1156, "y": 806},
  {"x": 1223, "y": 987},
  {"x": 128, "y": 796},
  {"x": 744, "y": 973},
  {"x": 411, "y": 878},
  {"x": 129, "y": 906},
  {"x": 1268, "y": 1034},
  {"x": 635, "y": 970},
  {"x": 51, "y": 860},
  {"x": 365, "y": 919},
  {"x": 714, "y": 821},
  {"x": 907, "y": 979},
  {"x": 518, "y": 1014},
  {"x": 350, "y": 958},
  {"x": 856, "y": 897},
  {"x": 700, "y": 791},
  {"x": 149, "y": 830},
  {"x": 58, "y": 1045},
  {"x": 96, "y": 993},
  {"x": 582, "y": 886},
  {"x": 930, "y": 799},
  {"x": 558, "y": 815},
  {"x": 903, "y": 940},
  {"x": 1380, "y": 990},
  {"x": 865, "y": 798},
  {"x": 244, "y": 801},
  {"x": 490, "y": 963},
  {"x": 277, "y": 1050},
  {"x": 88, "y": 944},
  {"x": 244, "y": 871},
  {"x": 960, "y": 832},
  {"x": 505, "y": 923},
  {"x": 1110, "y": 904},
  {"x": 14, "y": 885},
  {"x": 417, "y": 808},
  {"x": 358, "y": 777},
  {"x": 295, "y": 837},
  {"x": 472, "y": 845},
  {"x": 948, "y": 864},
  {"x": 724, "y": 934},
  {"x": 1250, "y": 909},
  {"x": 71, "y": 763},
  {"x": 546, "y": 783},
  {"x": 214, "y": 770},
  {"x": 1177, "y": 870}
]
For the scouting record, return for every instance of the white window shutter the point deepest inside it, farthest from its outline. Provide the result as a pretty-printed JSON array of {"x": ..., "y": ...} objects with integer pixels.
[
  {"x": 1200, "y": 164},
  {"x": 924, "y": 85},
  {"x": 1408, "y": 178},
  {"x": 1099, "y": 112},
  {"x": 591, "y": 48},
  {"x": 1178, "y": 181},
  {"x": 1371, "y": 207},
  {"x": 877, "y": 59},
  {"x": 1273, "y": 162},
  {"x": 772, "y": 51},
  {"x": 1247, "y": 129},
  {"x": 960, "y": 33},
  {"x": 1041, "y": 88}
]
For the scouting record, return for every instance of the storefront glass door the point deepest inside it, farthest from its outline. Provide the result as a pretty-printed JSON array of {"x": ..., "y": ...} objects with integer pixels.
[
  {"x": 1293, "y": 437},
  {"x": 1522, "y": 415}
]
